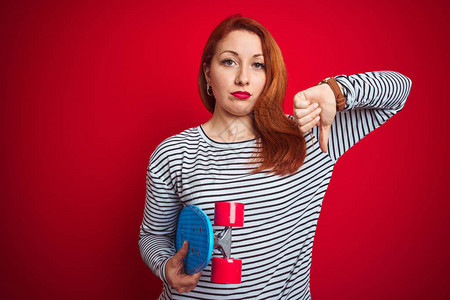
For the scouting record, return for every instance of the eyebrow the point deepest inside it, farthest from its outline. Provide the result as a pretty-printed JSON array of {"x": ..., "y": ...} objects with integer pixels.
[{"x": 237, "y": 54}]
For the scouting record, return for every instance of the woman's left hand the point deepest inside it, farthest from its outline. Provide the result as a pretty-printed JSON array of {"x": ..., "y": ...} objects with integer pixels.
[{"x": 316, "y": 106}]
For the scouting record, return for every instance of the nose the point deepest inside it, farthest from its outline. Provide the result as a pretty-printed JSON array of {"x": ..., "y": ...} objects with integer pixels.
[{"x": 242, "y": 77}]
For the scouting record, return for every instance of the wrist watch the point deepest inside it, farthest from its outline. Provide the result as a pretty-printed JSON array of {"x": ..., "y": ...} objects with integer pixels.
[{"x": 340, "y": 98}]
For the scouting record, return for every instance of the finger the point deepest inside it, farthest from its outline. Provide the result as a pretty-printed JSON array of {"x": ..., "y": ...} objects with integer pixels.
[
  {"x": 187, "y": 283},
  {"x": 194, "y": 278},
  {"x": 307, "y": 127},
  {"x": 323, "y": 138},
  {"x": 301, "y": 112},
  {"x": 300, "y": 100},
  {"x": 179, "y": 256},
  {"x": 309, "y": 117}
]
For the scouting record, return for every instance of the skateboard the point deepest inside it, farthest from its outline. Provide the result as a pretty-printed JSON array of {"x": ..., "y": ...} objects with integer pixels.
[{"x": 195, "y": 227}]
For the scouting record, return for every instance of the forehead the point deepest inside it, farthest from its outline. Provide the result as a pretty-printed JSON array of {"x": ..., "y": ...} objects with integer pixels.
[{"x": 241, "y": 41}]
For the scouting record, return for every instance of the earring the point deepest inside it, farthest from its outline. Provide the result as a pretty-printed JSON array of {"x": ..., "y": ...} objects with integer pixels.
[{"x": 208, "y": 87}]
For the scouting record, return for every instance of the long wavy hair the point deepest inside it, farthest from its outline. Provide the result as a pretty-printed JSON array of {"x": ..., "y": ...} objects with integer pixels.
[{"x": 281, "y": 146}]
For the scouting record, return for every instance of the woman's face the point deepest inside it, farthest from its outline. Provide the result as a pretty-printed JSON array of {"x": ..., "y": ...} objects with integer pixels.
[{"x": 237, "y": 73}]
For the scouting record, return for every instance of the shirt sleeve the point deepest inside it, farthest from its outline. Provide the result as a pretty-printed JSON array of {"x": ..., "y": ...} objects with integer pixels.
[
  {"x": 157, "y": 232},
  {"x": 371, "y": 99}
]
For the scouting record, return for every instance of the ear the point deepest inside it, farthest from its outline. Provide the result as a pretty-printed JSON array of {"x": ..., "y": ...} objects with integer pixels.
[{"x": 206, "y": 70}]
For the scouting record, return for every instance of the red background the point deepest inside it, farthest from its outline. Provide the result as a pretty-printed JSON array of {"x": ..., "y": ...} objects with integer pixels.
[{"x": 90, "y": 88}]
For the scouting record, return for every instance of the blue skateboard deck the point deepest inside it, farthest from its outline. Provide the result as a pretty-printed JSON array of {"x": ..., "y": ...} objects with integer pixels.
[{"x": 195, "y": 227}]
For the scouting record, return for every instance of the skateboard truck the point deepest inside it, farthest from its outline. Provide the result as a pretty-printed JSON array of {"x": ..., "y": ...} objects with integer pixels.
[
  {"x": 222, "y": 242},
  {"x": 195, "y": 227}
]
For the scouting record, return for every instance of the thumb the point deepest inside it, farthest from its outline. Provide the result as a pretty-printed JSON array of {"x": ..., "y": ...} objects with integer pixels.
[
  {"x": 179, "y": 256},
  {"x": 323, "y": 137}
]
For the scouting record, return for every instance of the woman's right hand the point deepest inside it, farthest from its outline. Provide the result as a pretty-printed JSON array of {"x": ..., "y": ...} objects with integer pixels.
[{"x": 180, "y": 281}]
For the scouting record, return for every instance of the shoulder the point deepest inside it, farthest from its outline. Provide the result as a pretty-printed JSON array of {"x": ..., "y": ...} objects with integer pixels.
[{"x": 174, "y": 146}]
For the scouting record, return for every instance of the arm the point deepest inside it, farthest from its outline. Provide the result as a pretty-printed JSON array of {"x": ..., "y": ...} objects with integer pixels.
[
  {"x": 371, "y": 99},
  {"x": 156, "y": 238},
  {"x": 158, "y": 229}
]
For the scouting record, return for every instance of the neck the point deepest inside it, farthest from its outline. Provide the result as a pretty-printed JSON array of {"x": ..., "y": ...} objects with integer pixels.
[{"x": 230, "y": 129}]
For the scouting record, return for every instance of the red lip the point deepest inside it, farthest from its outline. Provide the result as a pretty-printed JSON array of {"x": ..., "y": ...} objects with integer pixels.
[{"x": 241, "y": 95}]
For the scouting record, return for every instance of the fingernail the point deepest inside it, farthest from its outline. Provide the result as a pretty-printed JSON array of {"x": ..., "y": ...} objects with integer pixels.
[
  {"x": 315, "y": 105},
  {"x": 318, "y": 111}
]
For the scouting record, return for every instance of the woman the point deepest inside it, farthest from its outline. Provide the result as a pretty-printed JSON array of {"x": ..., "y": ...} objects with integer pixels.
[{"x": 251, "y": 152}]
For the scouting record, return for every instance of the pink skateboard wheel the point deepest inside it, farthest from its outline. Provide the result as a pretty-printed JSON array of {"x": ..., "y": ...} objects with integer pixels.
[
  {"x": 226, "y": 270},
  {"x": 229, "y": 214}
]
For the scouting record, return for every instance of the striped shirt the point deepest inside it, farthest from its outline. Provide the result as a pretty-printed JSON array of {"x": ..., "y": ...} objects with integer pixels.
[{"x": 281, "y": 212}]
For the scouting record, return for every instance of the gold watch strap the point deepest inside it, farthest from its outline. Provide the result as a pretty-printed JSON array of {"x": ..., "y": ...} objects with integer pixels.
[{"x": 340, "y": 98}]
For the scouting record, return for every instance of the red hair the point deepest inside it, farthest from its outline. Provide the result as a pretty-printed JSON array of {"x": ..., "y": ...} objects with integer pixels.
[{"x": 282, "y": 147}]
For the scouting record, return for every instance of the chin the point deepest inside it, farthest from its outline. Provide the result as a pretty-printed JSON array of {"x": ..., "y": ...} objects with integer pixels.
[{"x": 242, "y": 112}]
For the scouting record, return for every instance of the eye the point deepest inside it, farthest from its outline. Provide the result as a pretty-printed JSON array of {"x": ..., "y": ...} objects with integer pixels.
[
  {"x": 259, "y": 66},
  {"x": 228, "y": 62}
]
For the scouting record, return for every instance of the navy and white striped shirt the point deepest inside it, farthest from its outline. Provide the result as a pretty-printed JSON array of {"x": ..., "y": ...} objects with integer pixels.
[{"x": 281, "y": 212}]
